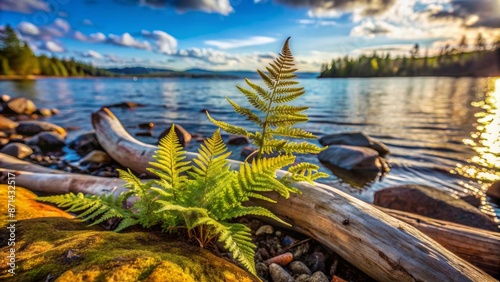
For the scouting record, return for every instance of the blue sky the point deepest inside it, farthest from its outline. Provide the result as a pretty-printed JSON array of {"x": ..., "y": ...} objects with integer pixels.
[{"x": 242, "y": 34}]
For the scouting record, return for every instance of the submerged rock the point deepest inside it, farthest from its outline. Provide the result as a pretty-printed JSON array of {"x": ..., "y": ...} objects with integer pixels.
[
  {"x": 125, "y": 105},
  {"x": 351, "y": 158},
  {"x": 433, "y": 203},
  {"x": 358, "y": 139},
  {"x": 238, "y": 140},
  {"x": 30, "y": 128},
  {"x": 57, "y": 247},
  {"x": 17, "y": 150},
  {"x": 182, "y": 134},
  {"x": 20, "y": 106},
  {"x": 85, "y": 143}
]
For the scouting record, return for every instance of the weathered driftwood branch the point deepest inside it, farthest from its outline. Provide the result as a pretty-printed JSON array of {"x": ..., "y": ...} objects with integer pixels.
[
  {"x": 477, "y": 246},
  {"x": 383, "y": 247}
]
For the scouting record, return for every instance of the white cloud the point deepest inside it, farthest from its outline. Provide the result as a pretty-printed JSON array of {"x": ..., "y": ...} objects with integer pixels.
[
  {"x": 237, "y": 43},
  {"x": 52, "y": 46},
  {"x": 27, "y": 28},
  {"x": 62, "y": 24},
  {"x": 87, "y": 22},
  {"x": 316, "y": 22},
  {"x": 94, "y": 37},
  {"x": 127, "y": 40},
  {"x": 222, "y": 7},
  {"x": 24, "y": 6},
  {"x": 329, "y": 8},
  {"x": 164, "y": 42},
  {"x": 92, "y": 54}
]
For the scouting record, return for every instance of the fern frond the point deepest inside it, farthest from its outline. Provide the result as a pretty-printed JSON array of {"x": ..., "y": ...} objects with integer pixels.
[
  {"x": 125, "y": 223},
  {"x": 285, "y": 120},
  {"x": 253, "y": 98},
  {"x": 292, "y": 132},
  {"x": 302, "y": 148},
  {"x": 287, "y": 110},
  {"x": 229, "y": 128},
  {"x": 245, "y": 112}
]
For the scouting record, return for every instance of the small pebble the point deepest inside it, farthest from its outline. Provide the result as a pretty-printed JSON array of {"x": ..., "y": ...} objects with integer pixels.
[
  {"x": 282, "y": 259},
  {"x": 264, "y": 229},
  {"x": 318, "y": 276},
  {"x": 301, "y": 250},
  {"x": 278, "y": 274},
  {"x": 338, "y": 279},
  {"x": 263, "y": 253},
  {"x": 298, "y": 267},
  {"x": 278, "y": 233},
  {"x": 262, "y": 270},
  {"x": 302, "y": 278},
  {"x": 317, "y": 261},
  {"x": 287, "y": 241}
]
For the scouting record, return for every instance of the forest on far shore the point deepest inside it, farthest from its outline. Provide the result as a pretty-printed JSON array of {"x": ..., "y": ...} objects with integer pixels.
[{"x": 464, "y": 59}]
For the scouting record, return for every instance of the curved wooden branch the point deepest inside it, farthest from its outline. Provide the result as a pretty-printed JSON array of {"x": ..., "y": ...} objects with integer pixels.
[{"x": 385, "y": 248}]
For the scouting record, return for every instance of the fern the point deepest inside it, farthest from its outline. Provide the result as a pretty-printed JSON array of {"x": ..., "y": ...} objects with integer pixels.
[{"x": 274, "y": 116}]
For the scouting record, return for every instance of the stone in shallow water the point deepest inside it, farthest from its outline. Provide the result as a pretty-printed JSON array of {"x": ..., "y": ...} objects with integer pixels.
[
  {"x": 17, "y": 150},
  {"x": 85, "y": 143},
  {"x": 7, "y": 124},
  {"x": 182, "y": 134},
  {"x": 30, "y": 128},
  {"x": 433, "y": 203},
  {"x": 351, "y": 158},
  {"x": 47, "y": 141},
  {"x": 20, "y": 106},
  {"x": 359, "y": 139}
]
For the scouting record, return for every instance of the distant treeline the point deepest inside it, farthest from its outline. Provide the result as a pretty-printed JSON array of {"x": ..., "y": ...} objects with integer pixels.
[
  {"x": 451, "y": 61},
  {"x": 17, "y": 59}
]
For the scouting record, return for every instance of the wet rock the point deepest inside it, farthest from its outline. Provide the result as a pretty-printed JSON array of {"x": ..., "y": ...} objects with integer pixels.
[
  {"x": 494, "y": 191},
  {"x": 47, "y": 141},
  {"x": 3, "y": 135},
  {"x": 262, "y": 270},
  {"x": 318, "y": 276},
  {"x": 147, "y": 125},
  {"x": 282, "y": 259},
  {"x": 96, "y": 156},
  {"x": 298, "y": 267},
  {"x": 264, "y": 229},
  {"x": 302, "y": 278},
  {"x": 125, "y": 105},
  {"x": 316, "y": 261},
  {"x": 145, "y": 134},
  {"x": 247, "y": 150},
  {"x": 3, "y": 141},
  {"x": 20, "y": 106},
  {"x": 7, "y": 124},
  {"x": 54, "y": 111},
  {"x": 85, "y": 144},
  {"x": 17, "y": 150},
  {"x": 30, "y": 128},
  {"x": 4, "y": 98},
  {"x": 434, "y": 203},
  {"x": 358, "y": 139},
  {"x": 471, "y": 199},
  {"x": 238, "y": 140},
  {"x": 351, "y": 158},
  {"x": 182, "y": 134},
  {"x": 44, "y": 112},
  {"x": 278, "y": 274}
]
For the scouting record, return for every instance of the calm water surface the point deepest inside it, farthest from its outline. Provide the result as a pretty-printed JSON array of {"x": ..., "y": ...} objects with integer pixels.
[{"x": 442, "y": 132}]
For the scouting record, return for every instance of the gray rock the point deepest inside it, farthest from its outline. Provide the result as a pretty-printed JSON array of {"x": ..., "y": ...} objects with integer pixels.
[
  {"x": 351, "y": 158},
  {"x": 302, "y": 278},
  {"x": 96, "y": 156},
  {"x": 316, "y": 261},
  {"x": 434, "y": 203},
  {"x": 182, "y": 134},
  {"x": 494, "y": 191},
  {"x": 17, "y": 150},
  {"x": 298, "y": 267},
  {"x": 47, "y": 141},
  {"x": 30, "y": 128},
  {"x": 279, "y": 274},
  {"x": 238, "y": 140},
  {"x": 262, "y": 270},
  {"x": 85, "y": 143},
  {"x": 264, "y": 229},
  {"x": 318, "y": 276},
  {"x": 358, "y": 139},
  {"x": 20, "y": 106},
  {"x": 7, "y": 124}
]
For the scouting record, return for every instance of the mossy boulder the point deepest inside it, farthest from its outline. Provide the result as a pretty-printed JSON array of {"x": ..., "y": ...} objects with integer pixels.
[{"x": 51, "y": 246}]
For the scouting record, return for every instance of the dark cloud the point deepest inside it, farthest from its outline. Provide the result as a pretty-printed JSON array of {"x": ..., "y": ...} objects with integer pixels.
[
  {"x": 325, "y": 7},
  {"x": 209, "y": 6},
  {"x": 486, "y": 11}
]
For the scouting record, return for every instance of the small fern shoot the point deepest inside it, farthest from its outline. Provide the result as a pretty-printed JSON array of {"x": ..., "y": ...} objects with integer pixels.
[{"x": 275, "y": 117}]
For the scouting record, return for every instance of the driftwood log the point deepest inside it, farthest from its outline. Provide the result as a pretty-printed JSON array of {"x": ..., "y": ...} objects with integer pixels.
[
  {"x": 382, "y": 246},
  {"x": 480, "y": 247}
]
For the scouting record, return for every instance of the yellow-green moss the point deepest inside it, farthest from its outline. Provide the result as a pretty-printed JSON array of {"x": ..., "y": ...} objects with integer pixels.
[{"x": 42, "y": 242}]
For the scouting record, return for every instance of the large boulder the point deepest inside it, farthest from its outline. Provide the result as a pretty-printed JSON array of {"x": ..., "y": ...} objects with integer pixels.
[
  {"x": 7, "y": 124},
  {"x": 359, "y": 139},
  {"x": 494, "y": 191},
  {"x": 351, "y": 158},
  {"x": 17, "y": 150},
  {"x": 30, "y": 128},
  {"x": 85, "y": 143},
  {"x": 433, "y": 203},
  {"x": 182, "y": 134},
  {"x": 20, "y": 106},
  {"x": 53, "y": 247}
]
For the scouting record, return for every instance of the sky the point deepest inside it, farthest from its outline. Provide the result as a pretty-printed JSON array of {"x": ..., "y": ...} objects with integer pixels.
[{"x": 242, "y": 34}]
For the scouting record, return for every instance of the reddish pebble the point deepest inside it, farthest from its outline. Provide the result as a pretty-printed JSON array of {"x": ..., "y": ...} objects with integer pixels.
[
  {"x": 337, "y": 279},
  {"x": 282, "y": 259}
]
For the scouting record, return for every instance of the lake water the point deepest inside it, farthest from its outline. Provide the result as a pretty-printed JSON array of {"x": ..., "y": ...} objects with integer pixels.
[{"x": 442, "y": 132}]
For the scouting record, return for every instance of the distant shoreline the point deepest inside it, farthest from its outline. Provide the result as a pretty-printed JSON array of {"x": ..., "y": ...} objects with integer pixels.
[{"x": 192, "y": 76}]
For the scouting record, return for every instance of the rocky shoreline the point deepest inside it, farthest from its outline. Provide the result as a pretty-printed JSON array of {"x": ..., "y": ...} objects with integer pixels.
[{"x": 282, "y": 255}]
